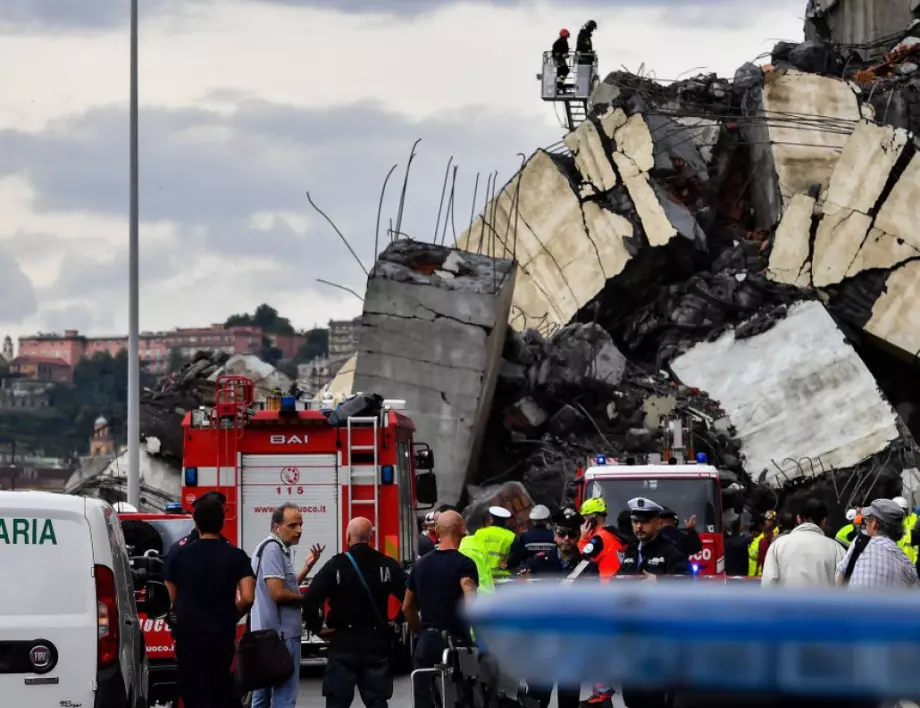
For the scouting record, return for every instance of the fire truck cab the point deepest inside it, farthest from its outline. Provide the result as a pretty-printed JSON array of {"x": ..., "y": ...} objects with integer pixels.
[
  {"x": 688, "y": 489},
  {"x": 334, "y": 464}
]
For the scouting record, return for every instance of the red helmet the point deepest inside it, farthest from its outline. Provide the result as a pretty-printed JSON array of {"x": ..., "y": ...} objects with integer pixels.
[{"x": 563, "y": 33}]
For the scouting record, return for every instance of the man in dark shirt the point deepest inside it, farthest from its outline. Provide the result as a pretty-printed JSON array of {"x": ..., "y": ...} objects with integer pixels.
[
  {"x": 560, "y": 53},
  {"x": 562, "y": 562},
  {"x": 584, "y": 44},
  {"x": 537, "y": 539},
  {"x": 211, "y": 586},
  {"x": 427, "y": 539},
  {"x": 437, "y": 585},
  {"x": 651, "y": 554},
  {"x": 736, "y": 550},
  {"x": 357, "y": 628},
  {"x": 688, "y": 541}
]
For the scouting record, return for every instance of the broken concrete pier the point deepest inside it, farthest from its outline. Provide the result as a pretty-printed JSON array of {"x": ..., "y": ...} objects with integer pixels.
[{"x": 432, "y": 334}]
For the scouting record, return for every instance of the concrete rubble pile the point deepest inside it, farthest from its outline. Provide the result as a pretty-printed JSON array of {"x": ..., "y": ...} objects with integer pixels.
[
  {"x": 193, "y": 386},
  {"x": 751, "y": 239}
]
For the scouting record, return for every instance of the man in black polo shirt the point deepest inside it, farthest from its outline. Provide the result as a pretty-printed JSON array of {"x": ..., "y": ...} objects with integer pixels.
[
  {"x": 211, "y": 586},
  {"x": 437, "y": 585},
  {"x": 358, "y": 585}
]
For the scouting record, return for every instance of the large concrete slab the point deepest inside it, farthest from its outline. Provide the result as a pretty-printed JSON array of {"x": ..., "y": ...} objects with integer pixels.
[
  {"x": 791, "y": 149},
  {"x": 432, "y": 333},
  {"x": 859, "y": 22},
  {"x": 799, "y": 390},
  {"x": 568, "y": 246}
]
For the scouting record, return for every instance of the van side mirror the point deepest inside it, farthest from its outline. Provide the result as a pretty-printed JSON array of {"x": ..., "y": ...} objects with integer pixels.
[
  {"x": 153, "y": 600},
  {"x": 424, "y": 456},
  {"x": 426, "y": 490}
]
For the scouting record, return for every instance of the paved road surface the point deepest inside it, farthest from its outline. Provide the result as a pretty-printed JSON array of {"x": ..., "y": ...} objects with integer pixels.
[{"x": 311, "y": 693}]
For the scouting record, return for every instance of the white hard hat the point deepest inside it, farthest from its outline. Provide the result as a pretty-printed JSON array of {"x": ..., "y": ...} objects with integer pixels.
[
  {"x": 499, "y": 512},
  {"x": 539, "y": 513},
  {"x": 901, "y": 502},
  {"x": 851, "y": 514}
]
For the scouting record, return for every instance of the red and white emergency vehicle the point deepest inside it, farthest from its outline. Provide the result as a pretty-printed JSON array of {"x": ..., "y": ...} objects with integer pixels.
[
  {"x": 333, "y": 466},
  {"x": 152, "y": 535},
  {"x": 688, "y": 489}
]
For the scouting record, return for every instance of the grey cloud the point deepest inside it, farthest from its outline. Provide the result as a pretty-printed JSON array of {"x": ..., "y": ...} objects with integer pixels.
[
  {"x": 209, "y": 173},
  {"x": 17, "y": 296},
  {"x": 81, "y": 317},
  {"x": 105, "y": 14}
]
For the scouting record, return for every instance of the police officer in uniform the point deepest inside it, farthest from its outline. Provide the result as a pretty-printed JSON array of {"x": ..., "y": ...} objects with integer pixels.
[
  {"x": 358, "y": 585},
  {"x": 537, "y": 539},
  {"x": 688, "y": 540},
  {"x": 495, "y": 539},
  {"x": 564, "y": 561},
  {"x": 650, "y": 555}
]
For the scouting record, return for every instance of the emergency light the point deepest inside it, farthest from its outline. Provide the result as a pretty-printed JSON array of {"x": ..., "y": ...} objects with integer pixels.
[
  {"x": 706, "y": 637},
  {"x": 173, "y": 508},
  {"x": 386, "y": 474},
  {"x": 191, "y": 476},
  {"x": 288, "y": 403},
  {"x": 600, "y": 460},
  {"x": 701, "y": 458}
]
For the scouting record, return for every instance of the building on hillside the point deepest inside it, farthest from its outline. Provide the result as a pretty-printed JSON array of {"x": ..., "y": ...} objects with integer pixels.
[
  {"x": 57, "y": 351},
  {"x": 22, "y": 395},
  {"x": 343, "y": 341},
  {"x": 27, "y": 471},
  {"x": 102, "y": 442},
  {"x": 39, "y": 368},
  {"x": 315, "y": 374}
]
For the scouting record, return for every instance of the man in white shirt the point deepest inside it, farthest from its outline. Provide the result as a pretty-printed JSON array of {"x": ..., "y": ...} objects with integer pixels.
[{"x": 804, "y": 557}]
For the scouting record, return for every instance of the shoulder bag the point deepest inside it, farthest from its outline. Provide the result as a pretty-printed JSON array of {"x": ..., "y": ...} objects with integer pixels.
[{"x": 262, "y": 658}]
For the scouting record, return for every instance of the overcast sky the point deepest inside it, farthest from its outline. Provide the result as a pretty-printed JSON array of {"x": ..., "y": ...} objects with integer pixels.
[{"x": 246, "y": 106}]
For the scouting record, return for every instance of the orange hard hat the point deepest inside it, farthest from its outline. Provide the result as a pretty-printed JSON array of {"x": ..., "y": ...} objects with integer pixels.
[
  {"x": 858, "y": 520},
  {"x": 563, "y": 33}
]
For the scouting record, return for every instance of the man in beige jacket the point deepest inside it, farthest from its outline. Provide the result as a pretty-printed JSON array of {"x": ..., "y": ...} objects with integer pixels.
[{"x": 805, "y": 557}]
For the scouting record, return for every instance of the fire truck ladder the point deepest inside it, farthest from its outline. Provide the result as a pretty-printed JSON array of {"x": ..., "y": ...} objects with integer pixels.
[
  {"x": 363, "y": 422},
  {"x": 232, "y": 396}
]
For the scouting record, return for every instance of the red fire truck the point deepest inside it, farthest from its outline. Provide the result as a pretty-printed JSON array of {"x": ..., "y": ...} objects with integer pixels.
[
  {"x": 152, "y": 535},
  {"x": 688, "y": 489},
  {"x": 333, "y": 465}
]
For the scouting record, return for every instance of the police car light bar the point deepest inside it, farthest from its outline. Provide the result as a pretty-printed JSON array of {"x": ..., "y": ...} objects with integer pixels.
[
  {"x": 600, "y": 459},
  {"x": 705, "y": 637}
]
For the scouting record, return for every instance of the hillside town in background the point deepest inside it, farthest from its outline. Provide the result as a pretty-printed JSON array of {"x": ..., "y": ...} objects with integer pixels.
[{"x": 62, "y": 401}]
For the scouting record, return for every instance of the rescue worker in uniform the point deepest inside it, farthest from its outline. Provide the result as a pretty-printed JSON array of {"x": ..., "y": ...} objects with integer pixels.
[
  {"x": 847, "y": 533},
  {"x": 601, "y": 543},
  {"x": 537, "y": 539},
  {"x": 563, "y": 561},
  {"x": 688, "y": 541},
  {"x": 604, "y": 546},
  {"x": 427, "y": 539},
  {"x": 910, "y": 520},
  {"x": 471, "y": 548},
  {"x": 650, "y": 555},
  {"x": 757, "y": 551},
  {"x": 435, "y": 591},
  {"x": 560, "y": 58},
  {"x": 495, "y": 540},
  {"x": 584, "y": 45},
  {"x": 358, "y": 585}
]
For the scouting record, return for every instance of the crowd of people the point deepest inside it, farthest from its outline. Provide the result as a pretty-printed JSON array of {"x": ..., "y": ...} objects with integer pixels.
[{"x": 213, "y": 585}]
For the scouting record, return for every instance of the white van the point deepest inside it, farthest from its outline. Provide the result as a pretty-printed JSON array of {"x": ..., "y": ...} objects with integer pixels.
[{"x": 69, "y": 630}]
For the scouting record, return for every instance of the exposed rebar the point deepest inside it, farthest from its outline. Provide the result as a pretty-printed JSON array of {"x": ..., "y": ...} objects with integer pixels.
[
  {"x": 379, "y": 212},
  {"x": 340, "y": 287},
  {"x": 341, "y": 235},
  {"x": 441, "y": 202},
  {"x": 402, "y": 195}
]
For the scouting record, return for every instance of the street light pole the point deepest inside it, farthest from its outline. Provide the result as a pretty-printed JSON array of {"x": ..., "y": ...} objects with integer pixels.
[{"x": 134, "y": 360}]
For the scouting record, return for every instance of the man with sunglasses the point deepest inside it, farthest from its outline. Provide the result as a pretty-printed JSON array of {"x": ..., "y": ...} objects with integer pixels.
[{"x": 564, "y": 561}]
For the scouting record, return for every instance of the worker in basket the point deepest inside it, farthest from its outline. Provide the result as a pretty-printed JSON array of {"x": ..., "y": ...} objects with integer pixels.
[
  {"x": 584, "y": 45},
  {"x": 561, "y": 58}
]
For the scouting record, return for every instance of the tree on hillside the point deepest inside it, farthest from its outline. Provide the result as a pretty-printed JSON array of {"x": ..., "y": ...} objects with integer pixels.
[
  {"x": 266, "y": 317},
  {"x": 317, "y": 345}
]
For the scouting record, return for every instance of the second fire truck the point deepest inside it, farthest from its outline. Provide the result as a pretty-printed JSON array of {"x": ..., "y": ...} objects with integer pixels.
[{"x": 359, "y": 459}]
